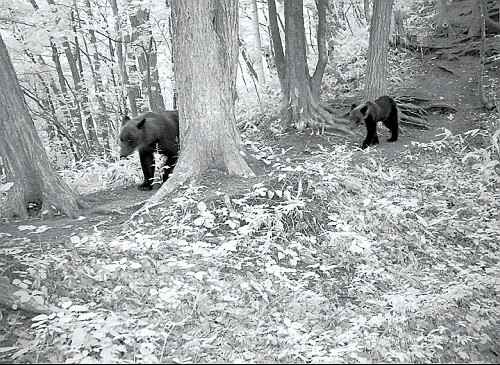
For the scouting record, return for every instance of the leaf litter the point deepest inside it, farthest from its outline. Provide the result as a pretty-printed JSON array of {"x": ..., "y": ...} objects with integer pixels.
[{"x": 338, "y": 256}]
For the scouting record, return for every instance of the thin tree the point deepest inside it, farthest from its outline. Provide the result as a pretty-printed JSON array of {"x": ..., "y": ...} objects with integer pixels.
[
  {"x": 143, "y": 46},
  {"x": 81, "y": 93},
  {"x": 378, "y": 48},
  {"x": 254, "y": 15},
  {"x": 26, "y": 163},
  {"x": 205, "y": 51},
  {"x": 120, "y": 55},
  {"x": 301, "y": 92}
]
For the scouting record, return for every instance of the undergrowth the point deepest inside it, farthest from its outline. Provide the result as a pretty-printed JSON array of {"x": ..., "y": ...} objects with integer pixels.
[{"x": 327, "y": 260}]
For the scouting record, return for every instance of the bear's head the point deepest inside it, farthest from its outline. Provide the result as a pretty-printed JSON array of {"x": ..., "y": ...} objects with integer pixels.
[
  {"x": 131, "y": 135},
  {"x": 358, "y": 114}
]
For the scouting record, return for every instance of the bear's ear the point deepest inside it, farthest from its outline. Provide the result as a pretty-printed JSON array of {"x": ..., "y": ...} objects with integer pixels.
[
  {"x": 364, "y": 110},
  {"x": 125, "y": 119},
  {"x": 353, "y": 106},
  {"x": 141, "y": 123}
]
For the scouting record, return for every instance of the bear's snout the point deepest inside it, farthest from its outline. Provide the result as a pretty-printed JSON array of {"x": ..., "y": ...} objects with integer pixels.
[{"x": 124, "y": 151}]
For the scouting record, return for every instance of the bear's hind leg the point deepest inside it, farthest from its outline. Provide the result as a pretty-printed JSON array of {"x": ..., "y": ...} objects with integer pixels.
[
  {"x": 392, "y": 123},
  {"x": 394, "y": 136}
]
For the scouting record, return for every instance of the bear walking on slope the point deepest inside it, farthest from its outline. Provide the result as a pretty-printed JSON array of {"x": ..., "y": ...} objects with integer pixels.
[
  {"x": 383, "y": 109},
  {"x": 147, "y": 133}
]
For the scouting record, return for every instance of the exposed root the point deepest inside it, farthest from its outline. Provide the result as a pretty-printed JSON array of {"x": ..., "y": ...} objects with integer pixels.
[{"x": 413, "y": 109}]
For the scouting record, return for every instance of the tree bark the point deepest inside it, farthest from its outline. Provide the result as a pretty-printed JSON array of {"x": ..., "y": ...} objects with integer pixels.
[
  {"x": 205, "y": 51},
  {"x": 25, "y": 160},
  {"x": 297, "y": 110},
  {"x": 376, "y": 69},
  {"x": 442, "y": 22}
]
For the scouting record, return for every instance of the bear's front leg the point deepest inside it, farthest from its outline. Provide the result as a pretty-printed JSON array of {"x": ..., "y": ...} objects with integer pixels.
[
  {"x": 148, "y": 169},
  {"x": 371, "y": 133}
]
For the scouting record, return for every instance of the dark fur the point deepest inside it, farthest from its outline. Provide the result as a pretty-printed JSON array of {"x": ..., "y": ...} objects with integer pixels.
[
  {"x": 383, "y": 109},
  {"x": 147, "y": 133}
]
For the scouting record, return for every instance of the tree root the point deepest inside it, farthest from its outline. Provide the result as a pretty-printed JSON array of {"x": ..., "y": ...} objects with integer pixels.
[
  {"x": 413, "y": 109},
  {"x": 324, "y": 114}
]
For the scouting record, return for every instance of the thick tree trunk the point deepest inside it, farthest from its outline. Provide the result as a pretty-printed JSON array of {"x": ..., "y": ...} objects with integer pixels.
[
  {"x": 297, "y": 110},
  {"x": 376, "y": 69},
  {"x": 442, "y": 22},
  {"x": 205, "y": 51},
  {"x": 26, "y": 163}
]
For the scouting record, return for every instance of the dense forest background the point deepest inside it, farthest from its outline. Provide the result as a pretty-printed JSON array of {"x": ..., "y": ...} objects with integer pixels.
[{"x": 321, "y": 252}]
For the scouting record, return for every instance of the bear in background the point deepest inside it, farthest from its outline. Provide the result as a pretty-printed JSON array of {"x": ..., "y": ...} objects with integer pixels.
[
  {"x": 383, "y": 109},
  {"x": 147, "y": 133}
]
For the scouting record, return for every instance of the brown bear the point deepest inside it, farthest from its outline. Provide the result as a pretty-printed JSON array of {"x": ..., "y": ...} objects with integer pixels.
[
  {"x": 383, "y": 109},
  {"x": 147, "y": 133}
]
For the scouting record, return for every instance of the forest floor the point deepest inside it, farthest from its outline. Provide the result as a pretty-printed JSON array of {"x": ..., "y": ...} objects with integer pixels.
[{"x": 329, "y": 254}]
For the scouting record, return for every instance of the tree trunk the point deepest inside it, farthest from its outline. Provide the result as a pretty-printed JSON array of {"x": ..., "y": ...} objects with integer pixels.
[
  {"x": 317, "y": 77},
  {"x": 25, "y": 160},
  {"x": 376, "y": 69},
  {"x": 254, "y": 15},
  {"x": 279, "y": 54},
  {"x": 442, "y": 22},
  {"x": 297, "y": 111},
  {"x": 302, "y": 105},
  {"x": 475, "y": 25},
  {"x": 205, "y": 51}
]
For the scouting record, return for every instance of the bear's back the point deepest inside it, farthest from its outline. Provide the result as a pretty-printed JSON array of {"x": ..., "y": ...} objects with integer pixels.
[{"x": 163, "y": 129}]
